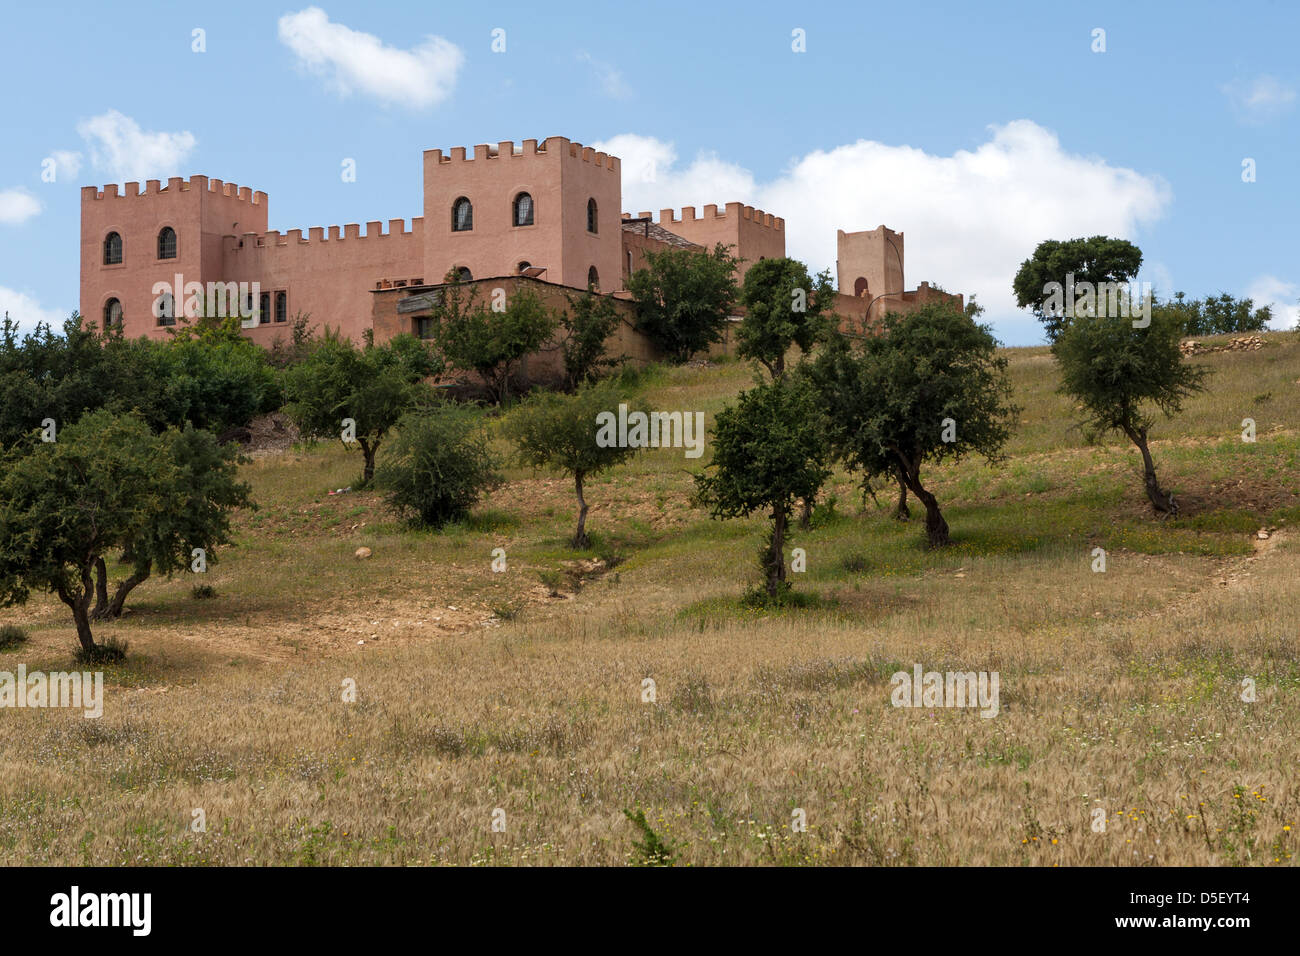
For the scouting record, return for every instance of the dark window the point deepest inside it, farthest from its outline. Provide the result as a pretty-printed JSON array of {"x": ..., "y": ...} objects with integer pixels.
[
  {"x": 462, "y": 215},
  {"x": 112, "y": 313},
  {"x": 591, "y": 215},
  {"x": 859, "y": 287},
  {"x": 629, "y": 262},
  {"x": 463, "y": 274},
  {"x": 423, "y": 327},
  {"x": 112, "y": 249},
  {"x": 523, "y": 210},
  {"x": 593, "y": 278},
  {"x": 264, "y": 308},
  {"x": 282, "y": 307},
  {"x": 165, "y": 309},
  {"x": 524, "y": 265},
  {"x": 167, "y": 243}
]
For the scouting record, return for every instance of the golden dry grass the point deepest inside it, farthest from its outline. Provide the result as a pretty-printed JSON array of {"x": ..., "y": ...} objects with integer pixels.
[{"x": 477, "y": 691}]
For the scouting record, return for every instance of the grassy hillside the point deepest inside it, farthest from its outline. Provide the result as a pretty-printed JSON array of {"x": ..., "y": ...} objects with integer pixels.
[{"x": 481, "y": 690}]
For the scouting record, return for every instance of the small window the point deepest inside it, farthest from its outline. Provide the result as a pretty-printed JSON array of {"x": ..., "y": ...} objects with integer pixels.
[
  {"x": 523, "y": 210},
  {"x": 522, "y": 266},
  {"x": 463, "y": 274},
  {"x": 167, "y": 243},
  {"x": 593, "y": 279},
  {"x": 282, "y": 307},
  {"x": 629, "y": 262},
  {"x": 112, "y": 313},
  {"x": 422, "y": 326},
  {"x": 112, "y": 249},
  {"x": 264, "y": 308},
  {"x": 462, "y": 215},
  {"x": 591, "y": 215},
  {"x": 164, "y": 309},
  {"x": 859, "y": 287}
]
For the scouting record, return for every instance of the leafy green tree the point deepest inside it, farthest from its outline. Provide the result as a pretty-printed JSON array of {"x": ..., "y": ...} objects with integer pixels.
[
  {"x": 1216, "y": 315},
  {"x": 1119, "y": 373},
  {"x": 193, "y": 513},
  {"x": 560, "y": 432},
  {"x": 769, "y": 450},
  {"x": 784, "y": 307},
  {"x": 684, "y": 297},
  {"x": 437, "y": 466},
  {"x": 1096, "y": 259},
  {"x": 587, "y": 324},
  {"x": 374, "y": 386},
  {"x": 107, "y": 485},
  {"x": 475, "y": 338},
  {"x": 931, "y": 387}
]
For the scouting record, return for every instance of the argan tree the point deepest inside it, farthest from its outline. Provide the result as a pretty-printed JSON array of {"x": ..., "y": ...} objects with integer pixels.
[
  {"x": 1120, "y": 373},
  {"x": 586, "y": 325},
  {"x": 769, "y": 450},
  {"x": 490, "y": 340},
  {"x": 1095, "y": 260},
  {"x": 107, "y": 485},
  {"x": 559, "y": 432},
  {"x": 784, "y": 307},
  {"x": 683, "y": 298},
  {"x": 374, "y": 386},
  {"x": 932, "y": 387}
]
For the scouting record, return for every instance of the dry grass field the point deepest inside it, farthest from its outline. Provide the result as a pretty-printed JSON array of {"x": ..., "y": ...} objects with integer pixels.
[{"x": 1119, "y": 691}]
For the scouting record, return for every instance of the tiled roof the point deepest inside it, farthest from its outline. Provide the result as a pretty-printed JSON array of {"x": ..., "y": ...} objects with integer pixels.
[{"x": 659, "y": 233}]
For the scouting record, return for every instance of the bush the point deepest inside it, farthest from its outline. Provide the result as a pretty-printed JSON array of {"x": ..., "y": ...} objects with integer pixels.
[
  {"x": 438, "y": 466},
  {"x": 11, "y": 635}
]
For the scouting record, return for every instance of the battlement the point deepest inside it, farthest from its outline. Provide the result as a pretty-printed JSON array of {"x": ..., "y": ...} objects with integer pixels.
[
  {"x": 528, "y": 149},
  {"x": 154, "y": 187},
  {"x": 351, "y": 230},
  {"x": 732, "y": 210}
]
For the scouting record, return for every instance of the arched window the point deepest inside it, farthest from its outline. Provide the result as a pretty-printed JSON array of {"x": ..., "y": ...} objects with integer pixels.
[
  {"x": 859, "y": 287},
  {"x": 523, "y": 211},
  {"x": 591, "y": 215},
  {"x": 593, "y": 279},
  {"x": 463, "y": 274},
  {"x": 112, "y": 249},
  {"x": 523, "y": 265},
  {"x": 282, "y": 307},
  {"x": 167, "y": 243},
  {"x": 164, "y": 309},
  {"x": 264, "y": 308},
  {"x": 462, "y": 215},
  {"x": 112, "y": 313}
]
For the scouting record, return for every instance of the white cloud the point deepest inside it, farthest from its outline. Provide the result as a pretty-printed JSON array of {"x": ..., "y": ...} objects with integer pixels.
[
  {"x": 360, "y": 62},
  {"x": 26, "y": 311},
  {"x": 608, "y": 76},
  {"x": 67, "y": 163},
  {"x": 970, "y": 219},
  {"x": 17, "y": 205},
  {"x": 1281, "y": 295},
  {"x": 121, "y": 148},
  {"x": 1260, "y": 99}
]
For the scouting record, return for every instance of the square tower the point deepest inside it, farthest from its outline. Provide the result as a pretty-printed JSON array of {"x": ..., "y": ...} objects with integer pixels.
[{"x": 869, "y": 263}]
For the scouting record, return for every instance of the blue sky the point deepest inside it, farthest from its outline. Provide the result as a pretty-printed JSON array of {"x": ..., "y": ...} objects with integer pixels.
[{"x": 977, "y": 130}]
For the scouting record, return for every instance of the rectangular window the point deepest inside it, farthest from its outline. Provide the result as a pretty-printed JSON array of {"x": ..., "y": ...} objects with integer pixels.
[
  {"x": 282, "y": 307},
  {"x": 423, "y": 327},
  {"x": 264, "y": 309}
]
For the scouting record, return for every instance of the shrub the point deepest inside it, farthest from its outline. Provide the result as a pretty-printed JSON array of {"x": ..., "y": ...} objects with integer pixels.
[
  {"x": 11, "y": 635},
  {"x": 438, "y": 466}
]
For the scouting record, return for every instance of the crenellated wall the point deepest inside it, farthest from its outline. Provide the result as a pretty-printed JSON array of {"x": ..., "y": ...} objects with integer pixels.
[
  {"x": 328, "y": 273},
  {"x": 752, "y": 233}
]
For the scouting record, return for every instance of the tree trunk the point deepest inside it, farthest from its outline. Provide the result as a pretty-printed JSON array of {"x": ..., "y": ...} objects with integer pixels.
[
  {"x": 368, "y": 452},
  {"x": 776, "y": 553},
  {"x": 125, "y": 588},
  {"x": 902, "y": 512},
  {"x": 1161, "y": 500},
  {"x": 580, "y": 538},
  {"x": 101, "y": 590},
  {"x": 805, "y": 516},
  {"x": 936, "y": 528},
  {"x": 80, "y": 604}
]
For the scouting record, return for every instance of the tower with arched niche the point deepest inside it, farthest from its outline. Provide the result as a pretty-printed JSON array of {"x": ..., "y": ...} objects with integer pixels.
[{"x": 870, "y": 263}]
